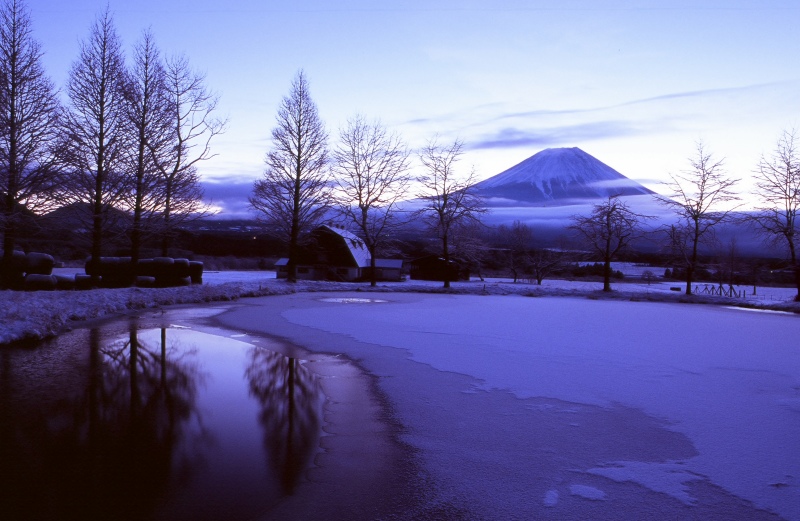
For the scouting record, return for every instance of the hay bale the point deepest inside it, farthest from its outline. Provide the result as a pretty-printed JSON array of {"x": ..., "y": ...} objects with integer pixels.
[
  {"x": 65, "y": 282},
  {"x": 144, "y": 281},
  {"x": 39, "y": 282},
  {"x": 39, "y": 264},
  {"x": 196, "y": 272},
  {"x": 180, "y": 268},
  {"x": 83, "y": 281}
]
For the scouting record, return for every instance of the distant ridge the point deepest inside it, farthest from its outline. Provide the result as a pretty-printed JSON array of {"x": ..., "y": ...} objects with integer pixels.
[{"x": 558, "y": 176}]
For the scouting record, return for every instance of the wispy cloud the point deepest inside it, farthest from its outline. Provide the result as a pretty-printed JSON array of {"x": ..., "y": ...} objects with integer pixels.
[
  {"x": 515, "y": 137},
  {"x": 478, "y": 115}
]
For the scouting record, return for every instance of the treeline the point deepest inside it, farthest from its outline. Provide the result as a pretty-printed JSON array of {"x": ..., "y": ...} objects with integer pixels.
[{"x": 118, "y": 158}]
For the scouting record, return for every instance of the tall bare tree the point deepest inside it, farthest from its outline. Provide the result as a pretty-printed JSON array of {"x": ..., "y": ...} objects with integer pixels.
[
  {"x": 194, "y": 125},
  {"x": 701, "y": 199},
  {"x": 372, "y": 174},
  {"x": 778, "y": 190},
  {"x": 96, "y": 129},
  {"x": 150, "y": 118},
  {"x": 608, "y": 231},
  {"x": 29, "y": 112},
  {"x": 448, "y": 200},
  {"x": 294, "y": 193},
  {"x": 518, "y": 241}
]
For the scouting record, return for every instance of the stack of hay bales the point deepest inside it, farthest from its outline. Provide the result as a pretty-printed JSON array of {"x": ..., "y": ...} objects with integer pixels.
[
  {"x": 159, "y": 272},
  {"x": 33, "y": 272}
]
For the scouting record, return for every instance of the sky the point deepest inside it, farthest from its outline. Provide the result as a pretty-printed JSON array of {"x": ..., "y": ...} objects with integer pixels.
[{"x": 634, "y": 83}]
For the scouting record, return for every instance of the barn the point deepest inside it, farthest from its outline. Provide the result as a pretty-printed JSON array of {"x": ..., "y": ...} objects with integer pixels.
[{"x": 333, "y": 253}]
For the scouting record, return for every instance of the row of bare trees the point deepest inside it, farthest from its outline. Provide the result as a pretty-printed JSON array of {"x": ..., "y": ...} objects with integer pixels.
[
  {"x": 367, "y": 177},
  {"x": 362, "y": 181},
  {"x": 127, "y": 140},
  {"x": 701, "y": 198}
]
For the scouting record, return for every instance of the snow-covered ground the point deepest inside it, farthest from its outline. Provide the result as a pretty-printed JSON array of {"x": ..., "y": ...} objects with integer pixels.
[
  {"x": 587, "y": 406},
  {"x": 586, "y": 409},
  {"x": 31, "y": 315}
]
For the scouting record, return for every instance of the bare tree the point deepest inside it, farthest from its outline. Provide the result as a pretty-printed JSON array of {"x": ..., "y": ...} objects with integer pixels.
[
  {"x": 544, "y": 262},
  {"x": 29, "y": 112},
  {"x": 698, "y": 197},
  {"x": 294, "y": 193},
  {"x": 448, "y": 200},
  {"x": 371, "y": 169},
  {"x": 96, "y": 129},
  {"x": 469, "y": 245},
  {"x": 194, "y": 125},
  {"x": 778, "y": 189},
  {"x": 518, "y": 241},
  {"x": 608, "y": 231},
  {"x": 150, "y": 119}
]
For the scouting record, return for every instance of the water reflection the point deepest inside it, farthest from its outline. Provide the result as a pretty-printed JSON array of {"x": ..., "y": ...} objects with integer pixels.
[
  {"x": 291, "y": 409},
  {"x": 154, "y": 423}
]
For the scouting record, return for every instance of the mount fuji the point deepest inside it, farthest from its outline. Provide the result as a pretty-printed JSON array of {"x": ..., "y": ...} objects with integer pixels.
[{"x": 557, "y": 177}]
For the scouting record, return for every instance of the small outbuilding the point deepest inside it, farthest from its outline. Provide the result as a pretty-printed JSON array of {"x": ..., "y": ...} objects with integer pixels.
[{"x": 434, "y": 267}]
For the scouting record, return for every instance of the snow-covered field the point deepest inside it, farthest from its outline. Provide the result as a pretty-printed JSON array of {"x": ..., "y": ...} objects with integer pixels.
[
  {"x": 589, "y": 404},
  {"x": 32, "y": 315},
  {"x": 573, "y": 408}
]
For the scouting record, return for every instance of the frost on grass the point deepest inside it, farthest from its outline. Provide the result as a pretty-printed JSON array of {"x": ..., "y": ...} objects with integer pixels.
[{"x": 35, "y": 315}]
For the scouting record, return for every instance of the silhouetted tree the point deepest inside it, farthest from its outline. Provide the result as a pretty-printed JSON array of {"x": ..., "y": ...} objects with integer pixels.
[
  {"x": 371, "y": 172},
  {"x": 700, "y": 198},
  {"x": 518, "y": 241},
  {"x": 543, "y": 263},
  {"x": 294, "y": 193},
  {"x": 778, "y": 190},
  {"x": 96, "y": 128},
  {"x": 608, "y": 231},
  {"x": 29, "y": 112},
  {"x": 150, "y": 118},
  {"x": 448, "y": 200},
  {"x": 194, "y": 125}
]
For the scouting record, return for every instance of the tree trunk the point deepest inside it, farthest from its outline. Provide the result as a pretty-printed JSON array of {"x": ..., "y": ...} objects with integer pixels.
[
  {"x": 373, "y": 276},
  {"x": 446, "y": 255},
  {"x": 795, "y": 266},
  {"x": 97, "y": 228}
]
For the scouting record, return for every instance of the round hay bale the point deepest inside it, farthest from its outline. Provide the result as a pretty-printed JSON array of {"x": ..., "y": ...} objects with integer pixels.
[
  {"x": 145, "y": 268},
  {"x": 39, "y": 264},
  {"x": 17, "y": 261},
  {"x": 39, "y": 282},
  {"x": 143, "y": 281},
  {"x": 83, "y": 281},
  {"x": 196, "y": 272},
  {"x": 180, "y": 268},
  {"x": 162, "y": 266},
  {"x": 65, "y": 282}
]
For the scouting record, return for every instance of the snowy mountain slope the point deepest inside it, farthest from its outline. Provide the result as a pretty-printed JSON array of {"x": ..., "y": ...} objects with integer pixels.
[{"x": 558, "y": 176}]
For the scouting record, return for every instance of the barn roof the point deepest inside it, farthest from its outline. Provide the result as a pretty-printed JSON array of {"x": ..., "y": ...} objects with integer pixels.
[{"x": 354, "y": 244}]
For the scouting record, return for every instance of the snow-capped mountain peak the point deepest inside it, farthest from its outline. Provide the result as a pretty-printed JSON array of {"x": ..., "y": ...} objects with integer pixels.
[{"x": 559, "y": 175}]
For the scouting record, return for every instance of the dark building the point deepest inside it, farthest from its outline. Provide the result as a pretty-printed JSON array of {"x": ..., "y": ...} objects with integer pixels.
[{"x": 336, "y": 254}]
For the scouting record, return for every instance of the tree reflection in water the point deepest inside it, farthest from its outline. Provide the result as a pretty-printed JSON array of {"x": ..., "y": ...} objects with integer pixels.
[
  {"x": 97, "y": 428},
  {"x": 291, "y": 412},
  {"x": 88, "y": 431}
]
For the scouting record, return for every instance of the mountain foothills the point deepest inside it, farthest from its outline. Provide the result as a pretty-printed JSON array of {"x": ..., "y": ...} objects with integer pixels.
[{"x": 557, "y": 177}]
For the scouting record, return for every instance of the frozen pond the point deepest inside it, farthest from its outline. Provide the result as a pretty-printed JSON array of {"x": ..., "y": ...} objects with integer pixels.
[{"x": 140, "y": 420}]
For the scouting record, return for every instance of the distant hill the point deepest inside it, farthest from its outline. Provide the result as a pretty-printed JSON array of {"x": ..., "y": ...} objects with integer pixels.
[{"x": 557, "y": 177}]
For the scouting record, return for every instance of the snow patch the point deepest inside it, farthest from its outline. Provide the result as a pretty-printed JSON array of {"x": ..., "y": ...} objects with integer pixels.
[
  {"x": 551, "y": 498},
  {"x": 667, "y": 478},
  {"x": 587, "y": 492}
]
